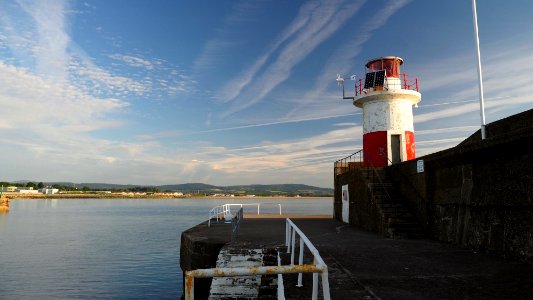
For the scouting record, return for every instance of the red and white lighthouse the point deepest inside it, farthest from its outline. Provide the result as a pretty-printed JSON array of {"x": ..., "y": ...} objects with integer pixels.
[{"x": 387, "y": 97}]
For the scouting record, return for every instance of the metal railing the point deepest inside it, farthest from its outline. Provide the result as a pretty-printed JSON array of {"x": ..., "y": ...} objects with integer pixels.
[
  {"x": 350, "y": 162},
  {"x": 291, "y": 230},
  {"x": 407, "y": 82},
  {"x": 235, "y": 222},
  {"x": 219, "y": 212}
]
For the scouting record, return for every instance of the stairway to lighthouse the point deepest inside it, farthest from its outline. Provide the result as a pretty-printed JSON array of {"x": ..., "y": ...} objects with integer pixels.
[{"x": 399, "y": 220}]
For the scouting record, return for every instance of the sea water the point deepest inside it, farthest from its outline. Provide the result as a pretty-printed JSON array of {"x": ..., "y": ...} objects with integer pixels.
[{"x": 108, "y": 248}]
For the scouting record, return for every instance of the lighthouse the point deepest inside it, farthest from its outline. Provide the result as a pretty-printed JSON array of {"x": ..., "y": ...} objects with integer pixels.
[{"x": 386, "y": 97}]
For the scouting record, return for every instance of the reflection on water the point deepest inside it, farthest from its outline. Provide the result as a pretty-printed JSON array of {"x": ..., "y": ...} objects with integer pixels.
[{"x": 102, "y": 248}]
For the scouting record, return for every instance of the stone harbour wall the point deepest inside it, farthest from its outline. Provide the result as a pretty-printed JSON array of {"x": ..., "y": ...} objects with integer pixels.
[
  {"x": 199, "y": 250},
  {"x": 478, "y": 194}
]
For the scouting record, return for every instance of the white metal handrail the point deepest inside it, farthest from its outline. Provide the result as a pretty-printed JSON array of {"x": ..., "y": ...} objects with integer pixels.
[
  {"x": 244, "y": 204},
  {"x": 219, "y": 212},
  {"x": 216, "y": 212},
  {"x": 291, "y": 230}
]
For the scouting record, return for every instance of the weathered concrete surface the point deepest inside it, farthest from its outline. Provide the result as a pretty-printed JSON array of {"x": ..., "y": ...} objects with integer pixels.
[
  {"x": 366, "y": 266},
  {"x": 245, "y": 287},
  {"x": 200, "y": 245},
  {"x": 363, "y": 265}
]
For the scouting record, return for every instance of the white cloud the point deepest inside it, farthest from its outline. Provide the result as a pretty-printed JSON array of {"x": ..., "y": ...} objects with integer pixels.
[
  {"x": 315, "y": 23},
  {"x": 27, "y": 99},
  {"x": 52, "y": 42},
  {"x": 134, "y": 61},
  {"x": 342, "y": 59},
  {"x": 233, "y": 88}
]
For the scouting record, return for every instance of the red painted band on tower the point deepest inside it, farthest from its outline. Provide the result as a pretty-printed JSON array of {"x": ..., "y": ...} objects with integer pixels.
[
  {"x": 375, "y": 149},
  {"x": 410, "y": 145}
]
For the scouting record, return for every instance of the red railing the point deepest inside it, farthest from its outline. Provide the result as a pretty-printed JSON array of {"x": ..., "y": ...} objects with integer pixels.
[
  {"x": 408, "y": 82},
  {"x": 359, "y": 84}
]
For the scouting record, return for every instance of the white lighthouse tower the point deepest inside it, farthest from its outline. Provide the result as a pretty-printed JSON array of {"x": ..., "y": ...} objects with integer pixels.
[{"x": 387, "y": 97}]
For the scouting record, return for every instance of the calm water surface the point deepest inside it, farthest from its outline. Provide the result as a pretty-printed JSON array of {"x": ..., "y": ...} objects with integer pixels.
[{"x": 107, "y": 249}]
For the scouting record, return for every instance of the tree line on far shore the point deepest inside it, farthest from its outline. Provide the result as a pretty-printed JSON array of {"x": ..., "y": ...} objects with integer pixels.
[
  {"x": 200, "y": 189},
  {"x": 73, "y": 188}
]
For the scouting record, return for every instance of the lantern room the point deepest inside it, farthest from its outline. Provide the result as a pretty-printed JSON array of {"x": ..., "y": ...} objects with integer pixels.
[{"x": 389, "y": 64}]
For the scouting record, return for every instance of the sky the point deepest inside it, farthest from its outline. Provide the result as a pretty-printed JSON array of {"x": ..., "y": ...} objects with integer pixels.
[{"x": 238, "y": 92}]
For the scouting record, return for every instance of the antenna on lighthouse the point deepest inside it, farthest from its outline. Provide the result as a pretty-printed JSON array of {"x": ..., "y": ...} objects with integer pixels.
[{"x": 340, "y": 82}]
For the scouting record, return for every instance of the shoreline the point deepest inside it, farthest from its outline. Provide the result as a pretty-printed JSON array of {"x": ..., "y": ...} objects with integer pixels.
[{"x": 13, "y": 196}]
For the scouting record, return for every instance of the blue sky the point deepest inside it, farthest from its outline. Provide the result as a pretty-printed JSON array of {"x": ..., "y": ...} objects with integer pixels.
[{"x": 237, "y": 92}]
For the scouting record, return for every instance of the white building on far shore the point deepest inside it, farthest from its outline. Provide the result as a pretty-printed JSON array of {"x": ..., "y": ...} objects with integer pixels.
[
  {"x": 48, "y": 191},
  {"x": 26, "y": 190}
]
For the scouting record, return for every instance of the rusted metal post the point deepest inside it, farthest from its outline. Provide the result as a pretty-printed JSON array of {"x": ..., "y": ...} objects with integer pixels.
[{"x": 189, "y": 286}]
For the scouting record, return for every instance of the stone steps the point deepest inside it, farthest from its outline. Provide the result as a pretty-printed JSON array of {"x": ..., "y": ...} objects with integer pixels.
[
  {"x": 400, "y": 221},
  {"x": 244, "y": 287}
]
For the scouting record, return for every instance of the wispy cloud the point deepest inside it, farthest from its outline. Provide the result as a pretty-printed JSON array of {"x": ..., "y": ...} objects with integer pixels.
[
  {"x": 505, "y": 89},
  {"x": 102, "y": 82},
  {"x": 56, "y": 101},
  {"x": 233, "y": 88},
  {"x": 134, "y": 61},
  {"x": 212, "y": 53},
  {"x": 270, "y": 157},
  {"x": 51, "y": 46},
  {"x": 51, "y": 102},
  {"x": 314, "y": 24},
  {"x": 342, "y": 59},
  {"x": 278, "y": 123}
]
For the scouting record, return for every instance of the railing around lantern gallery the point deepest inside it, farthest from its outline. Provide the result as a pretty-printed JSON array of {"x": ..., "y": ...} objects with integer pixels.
[
  {"x": 407, "y": 82},
  {"x": 291, "y": 232}
]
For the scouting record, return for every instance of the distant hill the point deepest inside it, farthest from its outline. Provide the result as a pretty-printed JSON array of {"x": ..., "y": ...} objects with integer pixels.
[
  {"x": 252, "y": 189},
  {"x": 202, "y": 188}
]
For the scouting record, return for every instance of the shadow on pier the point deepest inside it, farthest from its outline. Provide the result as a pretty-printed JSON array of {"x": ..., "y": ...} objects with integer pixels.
[{"x": 363, "y": 265}]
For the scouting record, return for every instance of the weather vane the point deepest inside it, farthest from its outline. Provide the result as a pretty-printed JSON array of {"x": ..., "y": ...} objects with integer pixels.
[{"x": 340, "y": 82}]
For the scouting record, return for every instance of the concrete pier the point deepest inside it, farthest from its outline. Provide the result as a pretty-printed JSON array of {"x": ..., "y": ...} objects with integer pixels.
[{"x": 363, "y": 265}]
